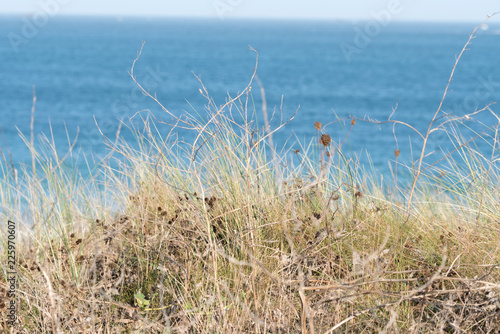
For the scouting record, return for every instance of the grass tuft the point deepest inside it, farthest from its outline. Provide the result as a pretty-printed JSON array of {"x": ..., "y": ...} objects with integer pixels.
[{"x": 220, "y": 234}]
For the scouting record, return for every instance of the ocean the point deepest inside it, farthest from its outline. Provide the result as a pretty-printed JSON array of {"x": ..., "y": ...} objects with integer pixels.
[{"x": 79, "y": 68}]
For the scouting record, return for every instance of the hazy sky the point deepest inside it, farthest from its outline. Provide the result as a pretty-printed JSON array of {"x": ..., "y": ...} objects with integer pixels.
[{"x": 433, "y": 10}]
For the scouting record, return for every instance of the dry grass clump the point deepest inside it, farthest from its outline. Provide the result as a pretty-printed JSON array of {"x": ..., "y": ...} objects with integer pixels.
[
  {"x": 213, "y": 236},
  {"x": 307, "y": 261}
]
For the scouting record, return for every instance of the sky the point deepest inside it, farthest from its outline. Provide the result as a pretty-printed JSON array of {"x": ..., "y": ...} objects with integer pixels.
[{"x": 399, "y": 10}]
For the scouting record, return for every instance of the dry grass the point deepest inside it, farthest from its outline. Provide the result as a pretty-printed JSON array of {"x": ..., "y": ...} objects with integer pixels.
[{"x": 213, "y": 236}]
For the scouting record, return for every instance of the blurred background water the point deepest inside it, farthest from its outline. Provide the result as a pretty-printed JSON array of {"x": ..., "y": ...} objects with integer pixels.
[{"x": 79, "y": 67}]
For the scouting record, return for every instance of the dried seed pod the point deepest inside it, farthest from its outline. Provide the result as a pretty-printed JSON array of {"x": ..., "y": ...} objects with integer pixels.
[
  {"x": 396, "y": 152},
  {"x": 317, "y": 125},
  {"x": 353, "y": 121},
  {"x": 325, "y": 139}
]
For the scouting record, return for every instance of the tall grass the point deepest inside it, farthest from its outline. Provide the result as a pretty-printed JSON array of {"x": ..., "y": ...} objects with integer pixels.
[{"x": 223, "y": 233}]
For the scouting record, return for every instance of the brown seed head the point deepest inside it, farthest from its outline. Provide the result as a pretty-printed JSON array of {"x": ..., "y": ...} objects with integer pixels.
[
  {"x": 317, "y": 125},
  {"x": 396, "y": 152},
  {"x": 353, "y": 121},
  {"x": 325, "y": 139}
]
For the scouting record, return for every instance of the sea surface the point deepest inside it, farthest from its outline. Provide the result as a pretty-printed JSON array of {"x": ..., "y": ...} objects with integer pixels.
[{"x": 79, "y": 68}]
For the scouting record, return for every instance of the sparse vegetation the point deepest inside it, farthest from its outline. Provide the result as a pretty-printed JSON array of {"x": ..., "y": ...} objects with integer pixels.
[{"x": 215, "y": 235}]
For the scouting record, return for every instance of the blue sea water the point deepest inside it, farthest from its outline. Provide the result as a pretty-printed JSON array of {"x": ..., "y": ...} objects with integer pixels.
[{"x": 79, "y": 67}]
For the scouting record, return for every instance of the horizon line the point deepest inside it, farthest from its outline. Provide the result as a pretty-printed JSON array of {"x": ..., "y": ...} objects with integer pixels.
[{"x": 244, "y": 18}]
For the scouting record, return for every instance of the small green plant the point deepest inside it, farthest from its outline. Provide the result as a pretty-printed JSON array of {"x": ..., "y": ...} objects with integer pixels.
[{"x": 141, "y": 300}]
